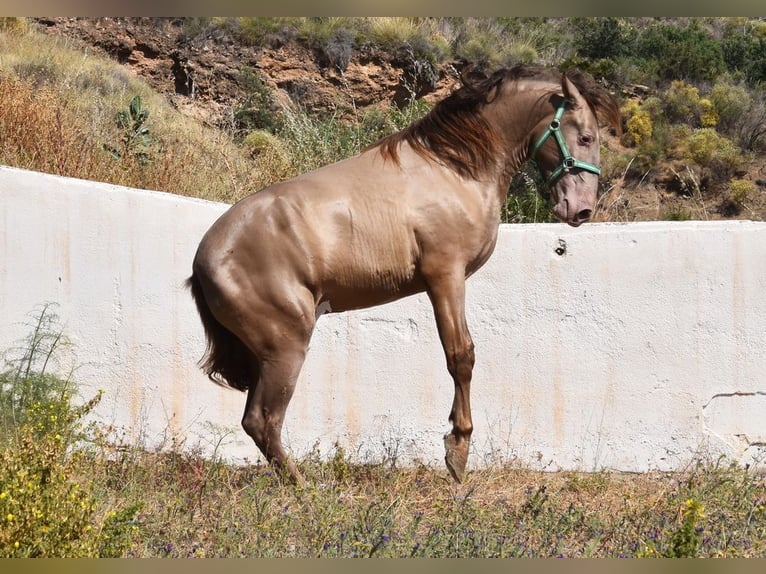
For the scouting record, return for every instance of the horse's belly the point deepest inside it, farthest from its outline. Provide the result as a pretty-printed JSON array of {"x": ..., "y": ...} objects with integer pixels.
[{"x": 356, "y": 288}]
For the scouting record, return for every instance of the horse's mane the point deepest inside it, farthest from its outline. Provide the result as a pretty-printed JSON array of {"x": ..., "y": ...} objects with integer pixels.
[{"x": 455, "y": 133}]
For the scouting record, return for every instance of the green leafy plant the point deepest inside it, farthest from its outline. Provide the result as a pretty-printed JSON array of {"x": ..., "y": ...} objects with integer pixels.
[
  {"x": 686, "y": 539},
  {"x": 681, "y": 52},
  {"x": 26, "y": 380},
  {"x": 528, "y": 200},
  {"x": 136, "y": 138},
  {"x": 257, "y": 111}
]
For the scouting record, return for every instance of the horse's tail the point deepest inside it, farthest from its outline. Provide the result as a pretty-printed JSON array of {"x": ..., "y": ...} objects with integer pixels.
[{"x": 227, "y": 361}]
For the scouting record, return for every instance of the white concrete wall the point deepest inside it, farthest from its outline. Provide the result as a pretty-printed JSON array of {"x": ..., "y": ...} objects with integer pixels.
[{"x": 642, "y": 347}]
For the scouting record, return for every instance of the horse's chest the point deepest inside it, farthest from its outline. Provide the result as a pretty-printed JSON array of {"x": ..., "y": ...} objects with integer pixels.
[{"x": 482, "y": 254}]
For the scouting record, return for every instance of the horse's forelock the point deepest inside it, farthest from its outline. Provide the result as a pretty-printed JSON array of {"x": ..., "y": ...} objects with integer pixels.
[{"x": 601, "y": 102}]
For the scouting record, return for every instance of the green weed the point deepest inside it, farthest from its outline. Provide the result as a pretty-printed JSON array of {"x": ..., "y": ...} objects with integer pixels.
[{"x": 47, "y": 503}]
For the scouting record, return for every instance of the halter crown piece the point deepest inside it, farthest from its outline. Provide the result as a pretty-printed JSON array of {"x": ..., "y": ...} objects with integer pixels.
[{"x": 568, "y": 161}]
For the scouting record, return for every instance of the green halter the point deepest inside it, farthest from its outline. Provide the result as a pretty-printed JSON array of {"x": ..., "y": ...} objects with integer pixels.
[{"x": 569, "y": 161}]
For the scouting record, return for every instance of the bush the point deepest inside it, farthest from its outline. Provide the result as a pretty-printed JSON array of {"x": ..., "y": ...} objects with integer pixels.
[
  {"x": 741, "y": 190},
  {"x": 707, "y": 148},
  {"x": 687, "y": 53},
  {"x": 639, "y": 124},
  {"x": 731, "y": 101},
  {"x": 708, "y": 115},
  {"x": 681, "y": 103},
  {"x": 528, "y": 199},
  {"x": 312, "y": 142},
  {"x": 258, "y": 31},
  {"x": 601, "y": 38},
  {"x": 391, "y": 32},
  {"x": 481, "y": 49},
  {"x": 12, "y": 24},
  {"x": 258, "y": 110},
  {"x": 47, "y": 505},
  {"x": 745, "y": 52}
]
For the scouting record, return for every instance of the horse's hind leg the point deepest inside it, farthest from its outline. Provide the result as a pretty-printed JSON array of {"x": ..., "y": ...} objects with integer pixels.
[
  {"x": 267, "y": 403},
  {"x": 447, "y": 295},
  {"x": 278, "y": 336}
]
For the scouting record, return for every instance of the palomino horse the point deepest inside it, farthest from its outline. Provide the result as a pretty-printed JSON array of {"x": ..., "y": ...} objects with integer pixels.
[{"x": 418, "y": 211}]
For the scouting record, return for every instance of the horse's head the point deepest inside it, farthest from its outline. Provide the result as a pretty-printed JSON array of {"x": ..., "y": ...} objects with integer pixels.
[{"x": 566, "y": 148}]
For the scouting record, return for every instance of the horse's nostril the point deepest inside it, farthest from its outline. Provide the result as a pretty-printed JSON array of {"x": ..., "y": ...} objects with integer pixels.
[{"x": 583, "y": 215}]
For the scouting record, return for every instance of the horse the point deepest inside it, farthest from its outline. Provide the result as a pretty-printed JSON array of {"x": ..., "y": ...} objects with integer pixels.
[{"x": 417, "y": 211}]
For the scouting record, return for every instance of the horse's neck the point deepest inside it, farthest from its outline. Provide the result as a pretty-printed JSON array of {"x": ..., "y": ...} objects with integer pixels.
[{"x": 514, "y": 121}]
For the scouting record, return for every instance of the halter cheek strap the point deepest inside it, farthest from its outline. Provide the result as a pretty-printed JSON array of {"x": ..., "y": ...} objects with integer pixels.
[{"x": 568, "y": 161}]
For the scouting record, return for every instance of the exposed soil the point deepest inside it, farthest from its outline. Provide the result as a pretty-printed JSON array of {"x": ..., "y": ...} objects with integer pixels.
[{"x": 202, "y": 76}]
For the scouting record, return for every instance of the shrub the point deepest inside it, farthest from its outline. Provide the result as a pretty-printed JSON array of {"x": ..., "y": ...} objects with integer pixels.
[
  {"x": 391, "y": 32},
  {"x": 751, "y": 130},
  {"x": 260, "y": 31},
  {"x": 339, "y": 48},
  {"x": 707, "y": 148},
  {"x": 12, "y": 24},
  {"x": 528, "y": 200},
  {"x": 135, "y": 136},
  {"x": 481, "y": 49},
  {"x": 258, "y": 110},
  {"x": 312, "y": 141},
  {"x": 708, "y": 114},
  {"x": 639, "y": 125},
  {"x": 681, "y": 103},
  {"x": 745, "y": 52},
  {"x": 681, "y": 52},
  {"x": 272, "y": 160},
  {"x": 686, "y": 539},
  {"x": 600, "y": 38},
  {"x": 741, "y": 190},
  {"x": 47, "y": 505},
  {"x": 675, "y": 213},
  {"x": 731, "y": 101},
  {"x": 260, "y": 141}
]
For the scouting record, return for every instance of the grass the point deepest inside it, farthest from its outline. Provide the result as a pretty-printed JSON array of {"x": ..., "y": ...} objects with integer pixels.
[
  {"x": 191, "y": 507},
  {"x": 67, "y": 490}
]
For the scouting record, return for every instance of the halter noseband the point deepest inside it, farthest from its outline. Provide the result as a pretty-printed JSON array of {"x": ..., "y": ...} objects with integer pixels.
[{"x": 569, "y": 161}]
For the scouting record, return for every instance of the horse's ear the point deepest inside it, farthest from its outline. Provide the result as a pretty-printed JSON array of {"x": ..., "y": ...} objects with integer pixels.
[{"x": 571, "y": 92}]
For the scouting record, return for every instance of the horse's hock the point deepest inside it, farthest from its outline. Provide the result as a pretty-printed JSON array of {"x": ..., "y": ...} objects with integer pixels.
[{"x": 641, "y": 347}]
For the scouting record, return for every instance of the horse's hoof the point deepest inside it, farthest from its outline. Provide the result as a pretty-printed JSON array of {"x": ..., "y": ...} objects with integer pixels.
[
  {"x": 456, "y": 457},
  {"x": 287, "y": 473}
]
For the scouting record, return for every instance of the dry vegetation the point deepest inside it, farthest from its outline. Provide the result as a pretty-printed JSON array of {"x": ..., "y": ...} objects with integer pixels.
[
  {"x": 692, "y": 147},
  {"x": 58, "y": 112}
]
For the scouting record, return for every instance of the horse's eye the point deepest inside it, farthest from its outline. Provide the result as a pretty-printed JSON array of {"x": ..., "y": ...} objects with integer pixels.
[{"x": 585, "y": 139}]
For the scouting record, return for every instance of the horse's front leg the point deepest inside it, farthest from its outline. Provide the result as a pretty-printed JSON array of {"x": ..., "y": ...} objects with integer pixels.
[{"x": 447, "y": 295}]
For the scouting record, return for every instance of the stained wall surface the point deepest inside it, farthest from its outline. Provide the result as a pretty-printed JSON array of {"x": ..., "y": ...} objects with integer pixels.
[{"x": 612, "y": 346}]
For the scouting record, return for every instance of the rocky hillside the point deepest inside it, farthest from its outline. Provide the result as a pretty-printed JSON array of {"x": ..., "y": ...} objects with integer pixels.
[{"x": 201, "y": 74}]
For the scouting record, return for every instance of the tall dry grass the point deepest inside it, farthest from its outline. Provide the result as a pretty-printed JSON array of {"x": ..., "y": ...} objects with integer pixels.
[{"x": 58, "y": 104}]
